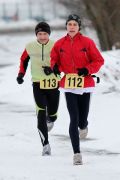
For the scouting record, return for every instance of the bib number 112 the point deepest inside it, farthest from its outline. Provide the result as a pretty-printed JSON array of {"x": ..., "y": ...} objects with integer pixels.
[{"x": 74, "y": 81}]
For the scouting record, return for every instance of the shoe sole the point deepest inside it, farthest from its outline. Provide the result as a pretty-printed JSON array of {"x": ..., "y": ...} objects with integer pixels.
[
  {"x": 46, "y": 154},
  {"x": 78, "y": 163},
  {"x": 83, "y": 136}
]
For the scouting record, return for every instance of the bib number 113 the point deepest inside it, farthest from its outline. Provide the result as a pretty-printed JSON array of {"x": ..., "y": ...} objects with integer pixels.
[{"x": 48, "y": 83}]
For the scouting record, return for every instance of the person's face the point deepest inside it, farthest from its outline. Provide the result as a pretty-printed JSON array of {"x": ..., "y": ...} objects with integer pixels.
[
  {"x": 72, "y": 28},
  {"x": 42, "y": 37}
]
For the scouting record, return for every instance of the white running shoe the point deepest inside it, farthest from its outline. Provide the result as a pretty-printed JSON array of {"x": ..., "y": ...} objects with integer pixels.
[
  {"x": 50, "y": 125},
  {"x": 46, "y": 150},
  {"x": 83, "y": 133},
  {"x": 77, "y": 159}
]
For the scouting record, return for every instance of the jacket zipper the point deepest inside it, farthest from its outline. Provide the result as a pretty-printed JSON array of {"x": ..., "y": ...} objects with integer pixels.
[
  {"x": 42, "y": 52},
  {"x": 72, "y": 55}
]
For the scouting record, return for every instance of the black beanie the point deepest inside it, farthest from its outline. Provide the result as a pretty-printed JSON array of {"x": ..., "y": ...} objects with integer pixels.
[
  {"x": 75, "y": 18},
  {"x": 42, "y": 26}
]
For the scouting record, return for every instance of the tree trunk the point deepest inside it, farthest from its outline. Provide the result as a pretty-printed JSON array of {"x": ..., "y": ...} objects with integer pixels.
[{"x": 104, "y": 15}]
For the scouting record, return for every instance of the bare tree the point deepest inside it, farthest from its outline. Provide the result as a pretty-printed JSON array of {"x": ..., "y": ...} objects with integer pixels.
[{"x": 104, "y": 15}]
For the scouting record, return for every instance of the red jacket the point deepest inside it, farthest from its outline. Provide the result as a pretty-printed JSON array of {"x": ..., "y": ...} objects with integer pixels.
[{"x": 78, "y": 52}]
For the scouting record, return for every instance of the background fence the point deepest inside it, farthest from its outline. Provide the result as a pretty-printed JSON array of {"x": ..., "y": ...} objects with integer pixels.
[{"x": 30, "y": 10}]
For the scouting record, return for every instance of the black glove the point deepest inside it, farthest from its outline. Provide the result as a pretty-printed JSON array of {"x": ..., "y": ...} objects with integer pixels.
[
  {"x": 47, "y": 70},
  {"x": 56, "y": 70},
  {"x": 20, "y": 78},
  {"x": 83, "y": 71}
]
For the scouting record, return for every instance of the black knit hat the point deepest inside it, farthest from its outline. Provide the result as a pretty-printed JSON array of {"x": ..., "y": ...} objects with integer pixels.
[
  {"x": 42, "y": 26},
  {"x": 75, "y": 18}
]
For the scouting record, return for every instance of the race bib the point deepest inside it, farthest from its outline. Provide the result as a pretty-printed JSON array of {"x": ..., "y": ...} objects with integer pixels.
[
  {"x": 73, "y": 81},
  {"x": 48, "y": 83}
]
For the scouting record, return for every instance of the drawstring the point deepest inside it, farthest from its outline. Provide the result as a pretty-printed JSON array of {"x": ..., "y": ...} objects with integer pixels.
[{"x": 98, "y": 78}]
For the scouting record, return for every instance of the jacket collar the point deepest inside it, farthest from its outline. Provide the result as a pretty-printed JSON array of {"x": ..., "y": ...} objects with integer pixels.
[
  {"x": 77, "y": 36},
  {"x": 40, "y": 44}
]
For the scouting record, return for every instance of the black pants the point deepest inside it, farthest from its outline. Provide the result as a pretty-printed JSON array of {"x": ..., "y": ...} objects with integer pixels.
[
  {"x": 78, "y": 107},
  {"x": 47, "y": 101}
]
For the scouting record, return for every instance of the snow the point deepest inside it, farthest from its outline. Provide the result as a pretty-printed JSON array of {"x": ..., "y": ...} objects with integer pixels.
[
  {"x": 20, "y": 146},
  {"x": 4, "y": 25}
]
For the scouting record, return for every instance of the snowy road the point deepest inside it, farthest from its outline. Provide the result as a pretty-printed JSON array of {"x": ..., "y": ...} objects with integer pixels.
[{"x": 20, "y": 147}]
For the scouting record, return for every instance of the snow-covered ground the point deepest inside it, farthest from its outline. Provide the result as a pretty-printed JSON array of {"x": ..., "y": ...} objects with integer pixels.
[{"x": 20, "y": 146}]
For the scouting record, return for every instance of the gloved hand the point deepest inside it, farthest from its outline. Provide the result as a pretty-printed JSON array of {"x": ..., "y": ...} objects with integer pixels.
[
  {"x": 47, "y": 70},
  {"x": 83, "y": 71},
  {"x": 20, "y": 78},
  {"x": 56, "y": 70}
]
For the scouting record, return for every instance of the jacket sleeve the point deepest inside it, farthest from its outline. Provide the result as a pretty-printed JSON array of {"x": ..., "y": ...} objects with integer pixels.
[
  {"x": 54, "y": 55},
  {"x": 96, "y": 59},
  {"x": 24, "y": 62}
]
